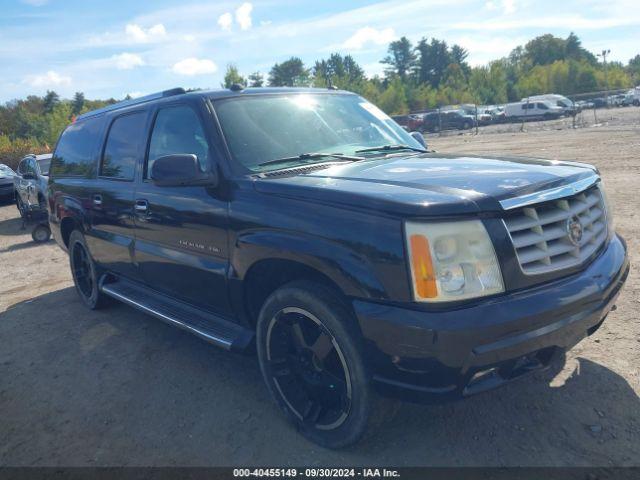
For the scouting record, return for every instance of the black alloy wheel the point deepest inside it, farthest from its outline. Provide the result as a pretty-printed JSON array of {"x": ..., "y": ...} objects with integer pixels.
[
  {"x": 311, "y": 357},
  {"x": 308, "y": 368}
]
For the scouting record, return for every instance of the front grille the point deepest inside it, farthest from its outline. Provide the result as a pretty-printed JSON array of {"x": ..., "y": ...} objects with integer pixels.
[{"x": 541, "y": 232}]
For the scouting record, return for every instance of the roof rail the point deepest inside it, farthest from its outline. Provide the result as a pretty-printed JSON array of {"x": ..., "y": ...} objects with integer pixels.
[{"x": 133, "y": 101}]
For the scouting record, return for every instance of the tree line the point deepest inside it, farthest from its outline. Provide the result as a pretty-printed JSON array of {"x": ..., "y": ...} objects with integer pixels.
[{"x": 416, "y": 77}]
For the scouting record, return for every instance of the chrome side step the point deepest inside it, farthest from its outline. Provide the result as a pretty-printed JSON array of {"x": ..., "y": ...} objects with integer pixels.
[{"x": 210, "y": 327}]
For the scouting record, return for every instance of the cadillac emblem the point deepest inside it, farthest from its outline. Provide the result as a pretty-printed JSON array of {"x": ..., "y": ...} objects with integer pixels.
[{"x": 574, "y": 230}]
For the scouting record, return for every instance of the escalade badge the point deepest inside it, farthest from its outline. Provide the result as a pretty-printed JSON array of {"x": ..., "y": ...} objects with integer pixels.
[{"x": 574, "y": 230}]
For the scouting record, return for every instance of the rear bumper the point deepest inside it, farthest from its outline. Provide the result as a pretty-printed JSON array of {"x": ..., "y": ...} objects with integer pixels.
[{"x": 436, "y": 355}]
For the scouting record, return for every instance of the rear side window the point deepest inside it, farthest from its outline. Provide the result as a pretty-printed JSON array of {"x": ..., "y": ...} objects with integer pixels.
[
  {"x": 74, "y": 155},
  {"x": 122, "y": 148},
  {"x": 178, "y": 130}
]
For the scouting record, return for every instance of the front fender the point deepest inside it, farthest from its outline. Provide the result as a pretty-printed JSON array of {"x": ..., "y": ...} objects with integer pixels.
[{"x": 349, "y": 270}]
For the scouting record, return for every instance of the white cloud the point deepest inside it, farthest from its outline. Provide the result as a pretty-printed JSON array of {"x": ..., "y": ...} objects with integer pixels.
[
  {"x": 194, "y": 66},
  {"x": 127, "y": 61},
  {"x": 243, "y": 16},
  {"x": 135, "y": 94},
  {"x": 368, "y": 35},
  {"x": 225, "y": 21},
  {"x": 508, "y": 6},
  {"x": 138, "y": 34},
  {"x": 48, "y": 80}
]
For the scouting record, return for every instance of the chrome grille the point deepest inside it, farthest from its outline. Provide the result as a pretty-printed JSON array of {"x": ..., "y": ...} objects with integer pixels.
[{"x": 541, "y": 232}]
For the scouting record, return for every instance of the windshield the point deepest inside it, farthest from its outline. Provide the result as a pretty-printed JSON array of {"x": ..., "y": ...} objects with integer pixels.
[
  {"x": 261, "y": 128},
  {"x": 5, "y": 171},
  {"x": 44, "y": 166}
]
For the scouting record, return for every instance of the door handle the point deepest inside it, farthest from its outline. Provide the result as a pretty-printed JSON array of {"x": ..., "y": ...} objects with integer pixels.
[
  {"x": 97, "y": 200},
  {"x": 141, "y": 206}
]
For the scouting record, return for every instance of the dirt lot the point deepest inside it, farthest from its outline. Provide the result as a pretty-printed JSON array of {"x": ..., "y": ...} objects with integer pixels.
[{"x": 119, "y": 388}]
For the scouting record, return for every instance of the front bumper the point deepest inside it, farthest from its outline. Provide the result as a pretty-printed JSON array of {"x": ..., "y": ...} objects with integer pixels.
[{"x": 438, "y": 354}]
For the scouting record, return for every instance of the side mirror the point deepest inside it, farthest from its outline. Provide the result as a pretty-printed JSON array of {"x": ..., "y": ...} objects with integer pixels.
[
  {"x": 180, "y": 170},
  {"x": 419, "y": 138}
]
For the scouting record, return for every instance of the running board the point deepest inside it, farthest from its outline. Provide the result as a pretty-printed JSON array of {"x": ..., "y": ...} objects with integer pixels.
[{"x": 211, "y": 327}]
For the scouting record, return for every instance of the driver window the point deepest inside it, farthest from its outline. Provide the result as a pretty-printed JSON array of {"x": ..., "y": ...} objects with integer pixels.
[{"x": 177, "y": 130}]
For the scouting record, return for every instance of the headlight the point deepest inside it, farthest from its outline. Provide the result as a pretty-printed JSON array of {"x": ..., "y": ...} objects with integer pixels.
[{"x": 452, "y": 261}]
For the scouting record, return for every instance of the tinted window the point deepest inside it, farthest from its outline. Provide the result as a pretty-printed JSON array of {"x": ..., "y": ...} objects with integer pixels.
[
  {"x": 178, "y": 130},
  {"x": 75, "y": 151},
  {"x": 123, "y": 146},
  {"x": 542, "y": 106}
]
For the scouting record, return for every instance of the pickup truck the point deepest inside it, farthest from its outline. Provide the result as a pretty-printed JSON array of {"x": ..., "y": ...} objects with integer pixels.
[{"x": 309, "y": 227}]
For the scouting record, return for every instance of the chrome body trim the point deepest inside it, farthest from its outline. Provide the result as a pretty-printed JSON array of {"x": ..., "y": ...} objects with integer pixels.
[
  {"x": 211, "y": 338},
  {"x": 550, "y": 194}
]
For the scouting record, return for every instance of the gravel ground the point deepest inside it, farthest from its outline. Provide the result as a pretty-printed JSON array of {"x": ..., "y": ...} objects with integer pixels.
[{"x": 116, "y": 387}]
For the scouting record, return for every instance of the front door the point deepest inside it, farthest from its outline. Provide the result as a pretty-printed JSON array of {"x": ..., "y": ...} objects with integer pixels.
[{"x": 181, "y": 232}]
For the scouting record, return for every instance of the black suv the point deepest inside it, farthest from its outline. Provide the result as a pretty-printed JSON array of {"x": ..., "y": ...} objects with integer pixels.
[
  {"x": 309, "y": 224},
  {"x": 447, "y": 120}
]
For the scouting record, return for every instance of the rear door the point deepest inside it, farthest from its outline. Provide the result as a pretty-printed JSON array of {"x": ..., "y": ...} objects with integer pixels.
[
  {"x": 112, "y": 195},
  {"x": 181, "y": 232}
]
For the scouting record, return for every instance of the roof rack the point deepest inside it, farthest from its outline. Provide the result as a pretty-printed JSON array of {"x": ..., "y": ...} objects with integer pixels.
[{"x": 133, "y": 101}]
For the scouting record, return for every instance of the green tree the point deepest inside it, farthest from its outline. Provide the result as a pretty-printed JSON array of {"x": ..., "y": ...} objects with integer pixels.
[
  {"x": 232, "y": 77},
  {"x": 342, "y": 72},
  {"x": 401, "y": 58},
  {"x": 433, "y": 59},
  {"x": 78, "y": 103},
  {"x": 256, "y": 79},
  {"x": 289, "y": 73},
  {"x": 51, "y": 99},
  {"x": 394, "y": 100}
]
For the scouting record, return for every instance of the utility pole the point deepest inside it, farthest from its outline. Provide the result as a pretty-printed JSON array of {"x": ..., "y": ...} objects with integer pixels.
[{"x": 606, "y": 80}]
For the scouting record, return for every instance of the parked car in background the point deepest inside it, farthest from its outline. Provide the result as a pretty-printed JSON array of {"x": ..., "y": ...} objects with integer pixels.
[
  {"x": 7, "y": 190},
  {"x": 447, "y": 120},
  {"x": 411, "y": 122},
  {"x": 30, "y": 183},
  {"x": 496, "y": 112},
  {"x": 633, "y": 96},
  {"x": 566, "y": 105},
  {"x": 532, "y": 110},
  {"x": 478, "y": 113},
  {"x": 618, "y": 100}
]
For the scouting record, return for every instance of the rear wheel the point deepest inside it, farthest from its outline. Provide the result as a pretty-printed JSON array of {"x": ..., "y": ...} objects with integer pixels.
[
  {"x": 311, "y": 359},
  {"x": 85, "y": 273}
]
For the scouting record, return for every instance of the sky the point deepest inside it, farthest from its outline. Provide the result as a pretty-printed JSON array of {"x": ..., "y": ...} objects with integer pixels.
[{"x": 119, "y": 47}]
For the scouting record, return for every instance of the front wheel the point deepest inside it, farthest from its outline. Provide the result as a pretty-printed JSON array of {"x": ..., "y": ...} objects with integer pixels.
[{"x": 310, "y": 356}]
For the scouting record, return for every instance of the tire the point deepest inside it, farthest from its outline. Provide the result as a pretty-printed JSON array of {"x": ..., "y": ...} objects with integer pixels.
[
  {"x": 310, "y": 355},
  {"x": 41, "y": 234},
  {"x": 466, "y": 125},
  {"x": 636, "y": 103},
  {"x": 85, "y": 273}
]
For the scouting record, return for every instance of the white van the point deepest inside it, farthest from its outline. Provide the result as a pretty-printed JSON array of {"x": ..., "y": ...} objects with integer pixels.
[
  {"x": 567, "y": 106},
  {"x": 532, "y": 110}
]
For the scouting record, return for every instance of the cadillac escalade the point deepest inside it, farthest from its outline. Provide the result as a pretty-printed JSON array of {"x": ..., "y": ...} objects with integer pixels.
[{"x": 308, "y": 226}]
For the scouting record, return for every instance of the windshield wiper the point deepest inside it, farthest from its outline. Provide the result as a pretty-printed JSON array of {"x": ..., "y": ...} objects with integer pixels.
[
  {"x": 385, "y": 148},
  {"x": 311, "y": 156}
]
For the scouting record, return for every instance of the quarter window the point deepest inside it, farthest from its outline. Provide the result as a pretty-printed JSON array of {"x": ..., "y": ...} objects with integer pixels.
[
  {"x": 178, "y": 130},
  {"x": 75, "y": 152},
  {"x": 123, "y": 146}
]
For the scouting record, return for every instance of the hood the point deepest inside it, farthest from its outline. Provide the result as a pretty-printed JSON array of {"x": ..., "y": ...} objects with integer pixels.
[{"x": 427, "y": 184}]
